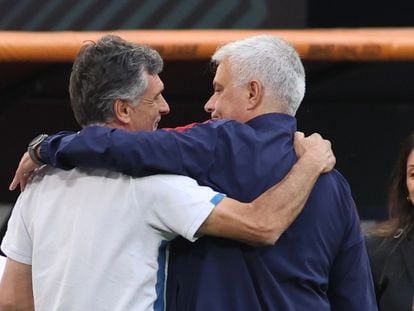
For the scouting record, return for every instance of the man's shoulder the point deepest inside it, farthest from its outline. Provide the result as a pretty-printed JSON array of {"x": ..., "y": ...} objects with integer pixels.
[
  {"x": 175, "y": 187},
  {"x": 56, "y": 178},
  {"x": 332, "y": 195},
  {"x": 336, "y": 181}
]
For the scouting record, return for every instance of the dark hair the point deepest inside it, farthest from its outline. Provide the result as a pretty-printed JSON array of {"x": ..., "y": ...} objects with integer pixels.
[
  {"x": 106, "y": 71},
  {"x": 401, "y": 211}
]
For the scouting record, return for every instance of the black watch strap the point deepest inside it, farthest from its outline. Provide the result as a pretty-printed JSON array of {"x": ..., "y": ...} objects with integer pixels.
[{"x": 33, "y": 146}]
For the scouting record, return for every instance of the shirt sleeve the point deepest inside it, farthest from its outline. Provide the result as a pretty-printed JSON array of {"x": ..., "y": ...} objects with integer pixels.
[
  {"x": 179, "y": 206},
  {"x": 189, "y": 152},
  {"x": 17, "y": 243}
]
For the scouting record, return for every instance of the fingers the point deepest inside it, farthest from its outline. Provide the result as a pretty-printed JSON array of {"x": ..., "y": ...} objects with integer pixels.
[
  {"x": 315, "y": 136},
  {"x": 299, "y": 135},
  {"x": 14, "y": 183},
  {"x": 20, "y": 179},
  {"x": 317, "y": 148},
  {"x": 329, "y": 162},
  {"x": 23, "y": 172}
]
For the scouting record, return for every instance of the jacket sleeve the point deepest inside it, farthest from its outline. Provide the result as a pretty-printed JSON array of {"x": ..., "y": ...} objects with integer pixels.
[
  {"x": 188, "y": 152},
  {"x": 350, "y": 285}
]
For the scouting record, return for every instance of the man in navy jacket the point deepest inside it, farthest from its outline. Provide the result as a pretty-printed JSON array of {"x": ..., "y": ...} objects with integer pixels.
[{"x": 319, "y": 263}]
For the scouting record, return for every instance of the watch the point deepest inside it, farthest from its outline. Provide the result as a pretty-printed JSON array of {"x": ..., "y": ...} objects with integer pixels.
[{"x": 33, "y": 146}]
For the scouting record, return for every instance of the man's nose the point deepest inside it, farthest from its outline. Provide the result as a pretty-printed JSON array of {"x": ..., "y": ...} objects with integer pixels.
[
  {"x": 209, "y": 106},
  {"x": 163, "y": 106}
]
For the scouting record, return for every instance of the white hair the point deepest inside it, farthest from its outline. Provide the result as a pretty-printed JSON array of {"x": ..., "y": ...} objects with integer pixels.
[{"x": 270, "y": 60}]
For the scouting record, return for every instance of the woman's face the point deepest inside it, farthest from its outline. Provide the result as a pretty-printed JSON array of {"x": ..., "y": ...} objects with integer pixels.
[{"x": 410, "y": 176}]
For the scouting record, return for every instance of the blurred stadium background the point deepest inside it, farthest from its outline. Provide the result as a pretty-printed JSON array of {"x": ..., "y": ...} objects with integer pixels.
[{"x": 364, "y": 108}]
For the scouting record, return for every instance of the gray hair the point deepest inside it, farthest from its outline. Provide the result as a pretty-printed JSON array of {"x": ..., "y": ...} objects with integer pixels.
[
  {"x": 273, "y": 62},
  {"x": 110, "y": 69}
]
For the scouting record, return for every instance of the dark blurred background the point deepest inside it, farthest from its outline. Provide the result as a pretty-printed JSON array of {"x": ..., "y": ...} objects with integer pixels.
[{"x": 364, "y": 108}]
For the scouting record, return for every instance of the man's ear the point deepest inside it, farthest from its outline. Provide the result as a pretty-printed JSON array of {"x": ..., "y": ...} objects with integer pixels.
[
  {"x": 122, "y": 111},
  {"x": 255, "y": 94}
]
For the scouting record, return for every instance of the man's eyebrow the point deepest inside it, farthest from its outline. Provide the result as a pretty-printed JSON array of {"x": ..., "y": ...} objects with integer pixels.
[
  {"x": 216, "y": 84},
  {"x": 157, "y": 95},
  {"x": 160, "y": 91}
]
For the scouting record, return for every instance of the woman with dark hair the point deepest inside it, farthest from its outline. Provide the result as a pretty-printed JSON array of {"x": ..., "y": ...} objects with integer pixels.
[{"x": 391, "y": 243}]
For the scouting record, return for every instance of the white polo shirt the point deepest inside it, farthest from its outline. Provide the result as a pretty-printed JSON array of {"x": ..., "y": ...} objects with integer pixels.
[{"x": 96, "y": 239}]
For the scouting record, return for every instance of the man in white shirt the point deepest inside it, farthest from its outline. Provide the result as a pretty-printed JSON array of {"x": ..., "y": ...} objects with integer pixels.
[{"x": 89, "y": 239}]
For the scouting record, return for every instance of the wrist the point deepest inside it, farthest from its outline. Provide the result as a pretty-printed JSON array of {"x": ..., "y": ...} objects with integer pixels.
[{"x": 33, "y": 149}]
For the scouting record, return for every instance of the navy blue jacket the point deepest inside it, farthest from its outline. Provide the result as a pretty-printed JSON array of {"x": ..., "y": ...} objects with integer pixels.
[{"x": 319, "y": 263}]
